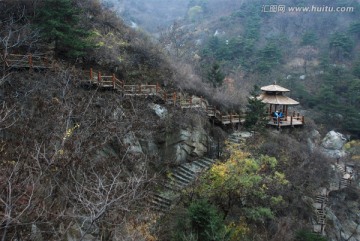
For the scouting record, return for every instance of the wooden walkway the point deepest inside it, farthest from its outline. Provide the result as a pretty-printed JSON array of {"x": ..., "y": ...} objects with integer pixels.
[{"x": 180, "y": 100}]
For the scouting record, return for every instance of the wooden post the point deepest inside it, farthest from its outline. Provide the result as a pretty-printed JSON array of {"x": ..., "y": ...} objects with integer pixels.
[
  {"x": 291, "y": 121},
  {"x": 99, "y": 77},
  {"x": 164, "y": 97},
  {"x": 190, "y": 101},
  {"x": 270, "y": 108},
  {"x": 91, "y": 74},
  {"x": 113, "y": 81},
  {"x": 174, "y": 98},
  {"x": 157, "y": 87},
  {"x": 231, "y": 118},
  {"x": 303, "y": 120},
  {"x": 139, "y": 88},
  {"x": 30, "y": 61}
]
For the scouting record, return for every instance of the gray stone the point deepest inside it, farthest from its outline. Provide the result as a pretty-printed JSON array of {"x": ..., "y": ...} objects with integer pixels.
[
  {"x": 132, "y": 142},
  {"x": 334, "y": 141},
  {"x": 159, "y": 110},
  {"x": 184, "y": 143},
  {"x": 36, "y": 233}
]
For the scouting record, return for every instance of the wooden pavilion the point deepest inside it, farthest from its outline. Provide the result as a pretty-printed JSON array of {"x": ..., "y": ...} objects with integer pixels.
[{"x": 278, "y": 110}]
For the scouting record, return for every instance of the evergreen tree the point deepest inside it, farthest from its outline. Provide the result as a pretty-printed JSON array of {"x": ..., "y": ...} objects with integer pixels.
[
  {"x": 215, "y": 76},
  {"x": 58, "y": 21},
  {"x": 256, "y": 117}
]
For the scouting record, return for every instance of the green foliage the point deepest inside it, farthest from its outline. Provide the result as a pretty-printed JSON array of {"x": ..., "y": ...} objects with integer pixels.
[
  {"x": 244, "y": 184},
  {"x": 356, "y": 69},
  {"x": 202, "y": 223},
  {"x": 309, "y": 38},
  {"x": 341, "y": 46},
  {"x": 58, "y": 21},
  {"x": 194, "y": 12},
  {"x": 304, "y": 235},
  {"x": 268, "y": 57},
  {"x": 355, "y": 29},
  {"x": 215, "y": 76},
  {"x": 256, "y": 117}
]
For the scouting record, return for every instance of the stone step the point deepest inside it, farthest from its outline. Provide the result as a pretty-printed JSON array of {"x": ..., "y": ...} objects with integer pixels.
[
  {"x": 175, "y": 177},
  {"x": 186, "y": 169},
  {"x": 154, "y": 204},
  {"x": 340, "y": 167},
  {"x": 185, "y": 172},
  {"x": 321, "y": 201},
  {"x": 171, "y": 185},
  {"x": 207, "y": 161},
  {"x": 161, "y": 199},
  {"x": 235, "y": 139},
  {"x": 181, "y": 177},
  {"x": 200, "y": 164}
]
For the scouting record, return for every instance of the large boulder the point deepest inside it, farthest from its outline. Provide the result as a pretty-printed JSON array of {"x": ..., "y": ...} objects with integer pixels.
[
  {"x": 181, "y": 145},
  {"x": 332, "y": 145},
  {"x": 333, "y": 141}
]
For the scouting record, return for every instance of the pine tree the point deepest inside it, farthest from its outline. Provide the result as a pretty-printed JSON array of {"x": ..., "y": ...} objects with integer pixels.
[
  {"x": 256, "y": 117},
  {"x": 215, "y": 76},
  {"x": 58, "y": 21}
]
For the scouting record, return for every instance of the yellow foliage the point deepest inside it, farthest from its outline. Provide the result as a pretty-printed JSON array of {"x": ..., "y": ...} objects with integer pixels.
[
  {"x": 100, "y": 44},
  {"x": 239, "y": 230},
  {"x": 355, "y": 158},
  {"x": 70, "y": 131}
]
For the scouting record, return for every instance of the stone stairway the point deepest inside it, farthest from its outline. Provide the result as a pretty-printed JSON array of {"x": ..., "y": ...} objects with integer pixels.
[
  {"x": 185, "y": 174},
  {"x": 177, "y": 179},
  {"x": 319, "y": 205},
  {"x": 321, "y": 199}
]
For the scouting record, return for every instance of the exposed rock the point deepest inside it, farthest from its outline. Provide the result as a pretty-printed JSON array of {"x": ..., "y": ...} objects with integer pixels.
[
  {"x": 74, "y": 233},
  {"x": 185, "y": 143},
  {"x": 302, "y": 77},
  {"x": 132, "y": 142},
  {"x": 333, "y": 141},
  {"x": 149, "y": 146},
  {"x": 36, "y": 233},
  {"x": 332, "y": 145},
  {"x": 118, "y": 114},
  {"x": 159, "y": 110},
  {"x": 344, "y": 216}
]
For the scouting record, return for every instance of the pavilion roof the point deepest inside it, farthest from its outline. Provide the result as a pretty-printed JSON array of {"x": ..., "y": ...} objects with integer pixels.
[
  {"x": 274, "y": 88},
  {"x": 276, "y": 99}
]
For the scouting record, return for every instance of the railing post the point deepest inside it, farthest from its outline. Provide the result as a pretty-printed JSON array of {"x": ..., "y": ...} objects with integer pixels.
[
  {"x": 190, "y": 101},
  {"x": 231, "y": 118},
  {"x": 303, "y": 120},
  {"x": 291, "y": 121},
  {"x": 165, "y": 97},
  {"x": 157, "y": 87},
  {"x": 30, "y": 61},
  {"x": 113, "y": 81},
  {"x": 99, "y": 77},
  {"x": 174, "y": 98},
  {"x": 91, "y": 74},
  {"x": 139, "y": 88}
]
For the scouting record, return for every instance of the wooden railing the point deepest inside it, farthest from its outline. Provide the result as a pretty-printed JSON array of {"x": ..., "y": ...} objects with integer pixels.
[
  {"x": 174, "y": 98},
  {"x": 27, "y": 61},
  {"x": 106, "y": 81}
]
